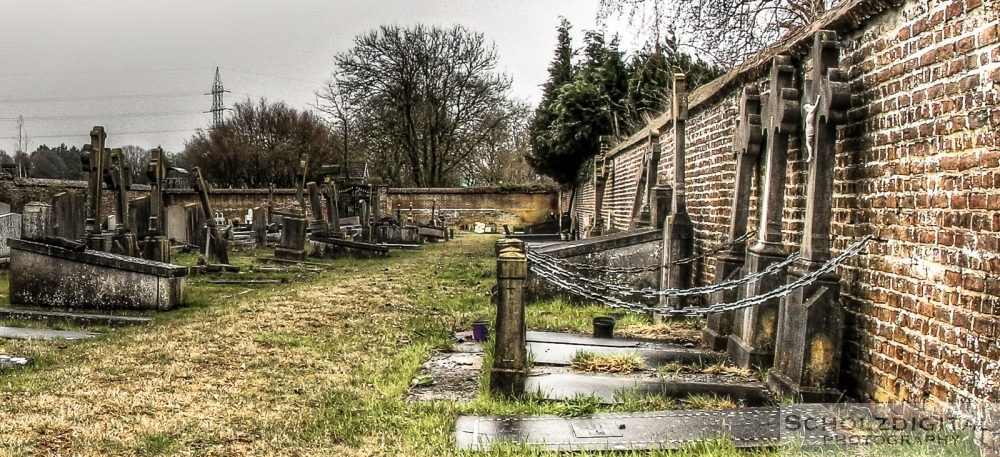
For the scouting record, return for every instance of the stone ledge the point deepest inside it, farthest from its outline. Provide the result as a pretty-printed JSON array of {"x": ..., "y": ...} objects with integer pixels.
[
  {"x": 103, "y": 259},
  {"x": 602, "y": 243}
]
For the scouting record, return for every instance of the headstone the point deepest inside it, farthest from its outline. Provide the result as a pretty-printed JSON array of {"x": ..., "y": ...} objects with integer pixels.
[
  {"x": 95, "y": 160},
  {"x": 751, "y": 344},
  {"x": 747, "y": 145},
  {"x": 10, "y": 227},
  {"x": 4, "y": 208},
  {"x": 68, "y": 215},
  {"x": 811, "y": 318},
  {"x": 259, "y": 224},
  {"x": 293, "y": 239},
  {"x": 177, "y": 224},
  {"x": 35, "y": 222},
  {"x": 138, "y": 216}
]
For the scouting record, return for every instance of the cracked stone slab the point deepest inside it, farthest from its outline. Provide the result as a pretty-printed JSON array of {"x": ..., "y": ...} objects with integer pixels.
[
  {"x": 18, "y": 333},
  {"x": 564, "y": 386},
  {"x": 747, "y": 427},
  {"x": 562, "y": 354},
  {"x": 574, "y": 338}
]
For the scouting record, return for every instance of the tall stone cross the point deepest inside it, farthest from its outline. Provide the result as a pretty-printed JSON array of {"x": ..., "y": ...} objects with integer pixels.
[
  {"x": 123, "y": 240},
  {"x": 747, "y": 143},
  {"x": 677, "y": 230},
  {"x": 216, "y": 247},
  {"x": 156, "y": 246},
  {"x": 811, "y": 318},
  {"x": 751, "y": 344},
  {"x": 94, "y": 159}
]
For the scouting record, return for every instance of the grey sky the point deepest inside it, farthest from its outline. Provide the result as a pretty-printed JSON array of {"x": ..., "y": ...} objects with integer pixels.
[{"x": 142, "y": 66}]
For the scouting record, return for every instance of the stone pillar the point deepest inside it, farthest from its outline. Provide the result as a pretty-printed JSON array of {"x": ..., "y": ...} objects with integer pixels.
[
  {"x": 510, "y": 370},
  {"x": 747, "y": 144},
  {"x": 677, "y": 231},
  {"x": 36, "y": 221},
  {"x": 648, "y": 211},
  {"x": 600, "y": 179},
  {"x": 259, "y": 226},
  {"x": 752, "y": 343},
  {"x": 366, "y": 229},
  {"x": 811, "y": 318},
  {"x": 293, "y": 239}
]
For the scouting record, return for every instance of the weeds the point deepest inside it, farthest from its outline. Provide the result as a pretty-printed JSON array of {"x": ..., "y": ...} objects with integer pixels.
[{"x": 616, "y": 363}]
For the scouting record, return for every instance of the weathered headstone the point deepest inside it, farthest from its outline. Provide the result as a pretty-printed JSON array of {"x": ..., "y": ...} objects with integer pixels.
[
  {"x": 811, "y": 318},
  {"x": 36, "y": 221},
  {"x": 10, "y": 227},
  {"x": 138, "y": 216},
  {"x": 177, "y": 225},
  {"x": 124, "y": 240},
  {"x": 68, "y": 215},
  {"x": 152, "y": 224},
  {"x": 755, "y": 328},
  {"x": 293, "y": 239},
  {"x": 95, "y": 160},
  {"x": 747, "y": 145},
  {"x": 259, "y": 225}
]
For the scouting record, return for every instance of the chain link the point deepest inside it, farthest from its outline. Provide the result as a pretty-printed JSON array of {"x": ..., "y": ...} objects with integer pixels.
[
  {"x": 594, "y": 290},
  {"x": 598, "y": 268}
]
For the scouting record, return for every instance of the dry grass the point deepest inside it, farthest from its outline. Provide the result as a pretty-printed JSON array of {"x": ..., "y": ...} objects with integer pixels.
[
  {"x": 681, "y": 331},
  {"x": 618, "y": 363},
  {"x": 714, "y": 369}
]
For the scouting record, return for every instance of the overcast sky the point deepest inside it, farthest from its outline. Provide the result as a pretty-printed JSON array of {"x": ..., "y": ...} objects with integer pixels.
[{"x": 141, "y": 68}]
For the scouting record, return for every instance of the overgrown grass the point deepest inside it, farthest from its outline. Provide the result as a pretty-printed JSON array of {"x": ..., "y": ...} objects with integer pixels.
[{"x": 611, "y": 363}]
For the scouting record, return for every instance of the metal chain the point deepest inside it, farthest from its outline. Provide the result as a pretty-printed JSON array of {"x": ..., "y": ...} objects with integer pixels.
[
  {"x": 588, "y": 267},
  {"x": 653, "y": 293},
  {"x": 563, "y": 280}
]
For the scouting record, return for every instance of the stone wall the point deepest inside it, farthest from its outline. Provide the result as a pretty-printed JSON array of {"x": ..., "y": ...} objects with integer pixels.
[
  {"x": 918, "y": 166},
  {"x": 468, "y": 205}
]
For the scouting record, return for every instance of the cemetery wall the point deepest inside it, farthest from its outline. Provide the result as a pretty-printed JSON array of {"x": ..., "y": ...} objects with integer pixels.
[
  {"x": 468, "y": 205},
  {"x": 918, "y": 166}
]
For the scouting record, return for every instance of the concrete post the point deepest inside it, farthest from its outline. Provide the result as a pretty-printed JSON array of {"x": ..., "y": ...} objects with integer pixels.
[
  {"x": 510, "y": 356},
  {"x": 677, "y": 231},
  {"x": 747, "y": 146},
  {"x": 751, "y": 344},
  {"x": 811, "y": 319}
]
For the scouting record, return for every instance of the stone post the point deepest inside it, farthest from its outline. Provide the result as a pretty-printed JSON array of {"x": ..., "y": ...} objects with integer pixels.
[
  {"x": 35, "y": 221},
  {"x": 811, "y": 318},
  {"x": 752, "y": 343},
  {"x": 332, "y": 206},
  {"x": 747, "y": 144},
  {"x": 510, "y": 356},
  {"x": 259, "y": 226},
  {"x": 677, "y": 231},
  {"x": 600, "y": 179},
  {"x": 366, "y": 229}
]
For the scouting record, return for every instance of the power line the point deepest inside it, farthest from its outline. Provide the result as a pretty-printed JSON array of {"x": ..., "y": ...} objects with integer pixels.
[
  {"x": 87, "y": 134},
  {"x": 102, "y": 116},
  {"x": 98, "y": 98}
]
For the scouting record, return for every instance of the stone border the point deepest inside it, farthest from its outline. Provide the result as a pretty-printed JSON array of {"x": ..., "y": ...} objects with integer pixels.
[{"x": 103, "y": 259}]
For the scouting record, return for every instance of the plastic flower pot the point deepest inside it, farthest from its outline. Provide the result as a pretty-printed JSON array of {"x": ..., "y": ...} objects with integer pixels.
[
  {"x": 480, "y": 331},
  {"x": 604, "y": 327}
]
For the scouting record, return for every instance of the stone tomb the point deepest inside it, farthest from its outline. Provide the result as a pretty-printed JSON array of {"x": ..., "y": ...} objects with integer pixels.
[{"x": 51, "y": 276}]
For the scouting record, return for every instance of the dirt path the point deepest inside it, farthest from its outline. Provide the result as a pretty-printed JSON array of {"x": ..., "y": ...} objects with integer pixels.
[{"x": 300, "y": 369}]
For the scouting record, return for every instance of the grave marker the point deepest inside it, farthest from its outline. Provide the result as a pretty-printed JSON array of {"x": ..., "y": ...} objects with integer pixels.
[{"x": 677, "y": 231}]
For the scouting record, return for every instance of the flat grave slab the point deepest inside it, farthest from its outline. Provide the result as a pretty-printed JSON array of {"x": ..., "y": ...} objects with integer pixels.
[
  {"x": 576, "y": 338},
  {"x": 562, "y": 354},
  {"x": 747, "y": 427},
  {"x": 78, "y": 318},
  {"x": 449, "y": 376},
  {"x": 565, "y": 386},
  {"x": 18, "y": 333}
]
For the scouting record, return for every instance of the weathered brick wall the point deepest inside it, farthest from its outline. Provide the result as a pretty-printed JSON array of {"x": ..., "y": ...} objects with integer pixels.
[
  {"x": 468, "y": 205},
  {"x": 918, "y": 165}
]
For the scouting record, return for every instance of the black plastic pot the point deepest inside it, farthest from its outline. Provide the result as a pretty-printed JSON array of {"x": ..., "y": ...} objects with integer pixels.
[{"x": 604, "y": 327}]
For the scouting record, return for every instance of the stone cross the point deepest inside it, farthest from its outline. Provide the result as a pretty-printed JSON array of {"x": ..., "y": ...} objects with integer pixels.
[
  {"x": 753, "y": 341},
  {"x": 600, "y": 181},
  {"x": 95, "y": 163},
  {"x": 332, "y": 206},
  {"x": 677, "y": 231},
  {"x": 747, "y": 142},
  {"x": 811, "y": 318},
  {"x": 123, "y": 241},
  {"x": 215, "y": 247},
  {"x": 156, "y": 246}
]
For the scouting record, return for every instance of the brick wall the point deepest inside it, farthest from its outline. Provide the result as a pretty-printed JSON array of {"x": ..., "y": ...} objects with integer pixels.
[
  {"x": 918, "y": 165},
  {"x": 468, "y": 205}
]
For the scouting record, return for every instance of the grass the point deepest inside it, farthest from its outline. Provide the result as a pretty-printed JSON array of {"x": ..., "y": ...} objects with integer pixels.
[
  {"x": 318, "y": 366},
  {"x": 614, "y": 363}
]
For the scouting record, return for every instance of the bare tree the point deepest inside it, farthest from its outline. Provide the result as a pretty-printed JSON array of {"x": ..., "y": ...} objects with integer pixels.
[
  {"x": 723, "y": 31},
  {"x": 420, "y": 101},
  {"x": 501, "y": 161}
]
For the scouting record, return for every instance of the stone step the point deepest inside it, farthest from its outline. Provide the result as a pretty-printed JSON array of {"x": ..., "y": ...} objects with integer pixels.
[
  {"x": 564, "y": 386},
  {"x": 562, "y": 354},
  {"x": 77, "y": 318},
  {"x": 19, "y": 333}
]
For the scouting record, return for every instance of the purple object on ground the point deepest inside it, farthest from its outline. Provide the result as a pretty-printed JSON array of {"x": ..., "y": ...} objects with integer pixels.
[{"x": 480, "y": 331}]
